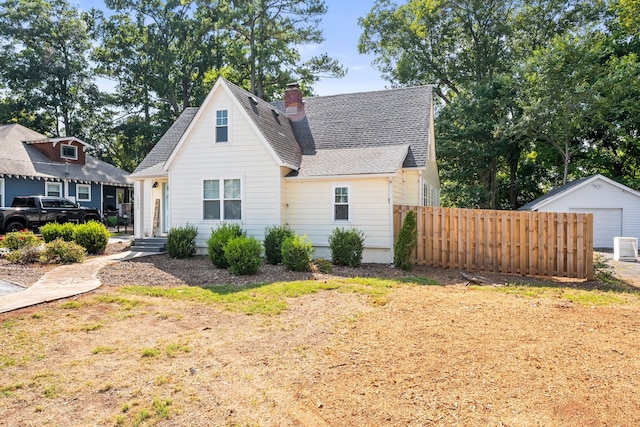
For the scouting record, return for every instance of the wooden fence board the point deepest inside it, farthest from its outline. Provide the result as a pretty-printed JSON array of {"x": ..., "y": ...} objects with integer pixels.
[{"x": 516, "y": 242}]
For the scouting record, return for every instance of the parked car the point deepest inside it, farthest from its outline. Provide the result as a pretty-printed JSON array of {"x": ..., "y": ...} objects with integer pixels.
[{"x": 34, "y": 211}]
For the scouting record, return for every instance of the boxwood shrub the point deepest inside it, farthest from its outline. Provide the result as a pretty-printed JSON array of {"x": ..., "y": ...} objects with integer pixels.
[
  {"x": 243, "y": 255},
  {"x": 273, "y": 238},
  {"x": 92, "y": 235},
  {"x": 181, "y": 241},
  {"x": 346, "y": 246},
  {"x": 217, "y": 241},
  {"x": 297, "y": 253},
  {"x": 53, "y": 230}
]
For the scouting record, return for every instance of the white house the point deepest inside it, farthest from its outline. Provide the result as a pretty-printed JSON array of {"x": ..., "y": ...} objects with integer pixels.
[
  {"x": 314, "y": 164},
  {"x": 615, "y": 207}
]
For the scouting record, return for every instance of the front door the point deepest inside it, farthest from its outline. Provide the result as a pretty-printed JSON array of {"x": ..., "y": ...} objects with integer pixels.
[
  {"x": 165, "y": 207},
  {"x": 119, "y": 199}
]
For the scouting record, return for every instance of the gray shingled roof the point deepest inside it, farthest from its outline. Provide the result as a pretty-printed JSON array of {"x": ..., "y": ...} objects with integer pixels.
[
  {"x": 272, "y": 123},
  {"x": 153, "y": 163},
  {"x": 368, "y": 119},
  {"x": 392, "y": 121},
  {"x": 352, "y": 161},
  {"x": 24, "y": 160}
]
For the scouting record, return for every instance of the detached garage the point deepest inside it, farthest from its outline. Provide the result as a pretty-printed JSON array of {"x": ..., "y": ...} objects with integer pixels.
[{"x": 615, "y": 207}]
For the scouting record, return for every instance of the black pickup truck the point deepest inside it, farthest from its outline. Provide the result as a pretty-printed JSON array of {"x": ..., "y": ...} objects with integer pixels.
[{"x": 34, "y": 211}]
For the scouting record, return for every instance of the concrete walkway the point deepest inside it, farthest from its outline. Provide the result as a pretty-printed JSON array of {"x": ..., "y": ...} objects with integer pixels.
[{"x": 63, "y": 282}]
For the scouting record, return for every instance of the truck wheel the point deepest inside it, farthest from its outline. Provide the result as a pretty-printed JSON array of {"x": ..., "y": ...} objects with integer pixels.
[
  {"x": 90, "y": 218},
  {"x": 12, "y": 227}
]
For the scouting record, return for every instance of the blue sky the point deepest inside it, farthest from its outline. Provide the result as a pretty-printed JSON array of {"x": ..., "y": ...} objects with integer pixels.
[{"x": 341, "y": 31}]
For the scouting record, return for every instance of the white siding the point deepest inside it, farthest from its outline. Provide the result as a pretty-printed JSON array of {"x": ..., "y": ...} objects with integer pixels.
[
  {"x": 310, "y": 212},
  {"x": 244, "y": 157},
  {"x": 598, "y": 197}
]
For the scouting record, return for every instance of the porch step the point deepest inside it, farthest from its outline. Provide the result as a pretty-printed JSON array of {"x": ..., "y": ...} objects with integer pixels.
[{"x": 150, "y": 244}]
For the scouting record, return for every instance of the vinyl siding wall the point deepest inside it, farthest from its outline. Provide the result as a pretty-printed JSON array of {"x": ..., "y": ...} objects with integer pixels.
[
  {"x": 600, "y": 194},
  {"x": 310, "y": 212},
  {"x": 244, "y": 157}
]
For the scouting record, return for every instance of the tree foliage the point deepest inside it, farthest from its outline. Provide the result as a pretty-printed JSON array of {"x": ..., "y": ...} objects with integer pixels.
[{"x": 531, "y": 93}]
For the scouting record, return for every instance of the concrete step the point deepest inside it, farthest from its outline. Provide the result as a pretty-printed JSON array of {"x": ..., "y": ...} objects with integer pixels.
[{"x": 150, "y": 244}]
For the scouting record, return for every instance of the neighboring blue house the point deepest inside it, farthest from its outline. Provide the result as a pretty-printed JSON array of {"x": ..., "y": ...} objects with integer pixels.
[{"x": 32, "y": 164}]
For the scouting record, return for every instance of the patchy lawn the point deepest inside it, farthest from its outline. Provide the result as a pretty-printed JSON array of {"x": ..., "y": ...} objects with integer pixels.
[{"x": 334, "y": 351}]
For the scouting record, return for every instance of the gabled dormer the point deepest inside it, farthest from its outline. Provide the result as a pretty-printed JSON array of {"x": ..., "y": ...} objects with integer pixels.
[{"x": 63, "y": 150}]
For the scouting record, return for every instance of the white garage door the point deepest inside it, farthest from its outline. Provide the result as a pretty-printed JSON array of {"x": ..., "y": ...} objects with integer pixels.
[{"x": 607, "y": 224}]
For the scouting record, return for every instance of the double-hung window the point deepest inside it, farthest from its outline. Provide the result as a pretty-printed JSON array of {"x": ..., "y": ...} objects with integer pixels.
[
  {"x": 53, "y": 189},
  {"x": 222, "y": 199},
  {"x": 341, "y": 203},
  {"x": 222, "y": 126},
  {"x": 83, "y": 192}
]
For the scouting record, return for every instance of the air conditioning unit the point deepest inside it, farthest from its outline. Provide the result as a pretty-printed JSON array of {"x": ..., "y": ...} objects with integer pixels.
[{"x": 625, "y": 248}]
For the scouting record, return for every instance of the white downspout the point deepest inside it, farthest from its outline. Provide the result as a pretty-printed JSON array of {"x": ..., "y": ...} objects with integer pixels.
[
  {"x": 420, "y": 188},
  {"x": 391, "y": 239}
]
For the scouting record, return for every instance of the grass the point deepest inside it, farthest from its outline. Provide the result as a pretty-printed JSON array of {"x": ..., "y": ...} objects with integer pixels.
[{"x": 269, "y": 299}]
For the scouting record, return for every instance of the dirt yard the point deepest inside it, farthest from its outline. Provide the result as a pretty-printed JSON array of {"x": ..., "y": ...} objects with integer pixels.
[{"x": 449, "y": 355}]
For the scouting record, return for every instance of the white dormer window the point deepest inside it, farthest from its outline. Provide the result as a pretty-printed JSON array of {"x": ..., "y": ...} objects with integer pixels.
[
  {"x": 222, "y": 126},
  {"x": 69, "y": 152}
]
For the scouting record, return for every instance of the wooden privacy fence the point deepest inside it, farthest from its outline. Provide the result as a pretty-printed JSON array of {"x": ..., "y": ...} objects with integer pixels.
[{"x": 512, "y": 242}]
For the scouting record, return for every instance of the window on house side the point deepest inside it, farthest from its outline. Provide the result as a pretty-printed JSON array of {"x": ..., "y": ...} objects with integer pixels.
[
  {"x": 222, "y": 126},
  {"x": 69, "y": 152},
  {"x": 341, "y": 204},
  {"x": 53, "y": 189},
  {"x": 222, "y": 199},
  {"x": 83, "y": 192}
]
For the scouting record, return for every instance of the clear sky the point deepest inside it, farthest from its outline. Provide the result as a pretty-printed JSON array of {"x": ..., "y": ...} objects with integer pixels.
[{"x": 341, "y": 31}]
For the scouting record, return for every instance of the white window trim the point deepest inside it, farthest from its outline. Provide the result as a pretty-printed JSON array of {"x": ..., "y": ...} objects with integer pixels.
[
  {"x": 2, "y": 197},
  {"x": 221, "y": 181},
  {"x": 78, "y": 192},
  {"x": 62, "y": 156},
  {"x": 46, "y": 188},
  {"x": 349, "y": 204},
  {"x": 215, "y": 127}
]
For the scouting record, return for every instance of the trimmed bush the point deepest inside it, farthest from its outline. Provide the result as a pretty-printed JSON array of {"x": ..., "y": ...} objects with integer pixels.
[
  {"x": 53, "y": 230},
  {"x": 273, "y": 238},
  {"x": 20, "y": 239},
  {"x": 217, "y": 241},
  {"x": 243, "y": 255},
  {"x": 61, "y": 251},
  {"x": 92, "y": 235},
  {"x": 181, "y": 241},
  {"x": 407, "y": 242},
  {"x": 24, "y": 255},
  {"x": 297, "y": 253},
  {"x": 346, "y": 246}
]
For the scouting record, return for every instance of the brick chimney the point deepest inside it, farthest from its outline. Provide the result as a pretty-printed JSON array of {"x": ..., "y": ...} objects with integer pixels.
[{"x": 293, "y": 103}]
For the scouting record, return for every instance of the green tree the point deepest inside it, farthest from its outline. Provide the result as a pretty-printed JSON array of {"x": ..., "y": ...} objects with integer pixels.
[
  {"x": 44, "y": 63},
  {"x": 264, "y": 37}
]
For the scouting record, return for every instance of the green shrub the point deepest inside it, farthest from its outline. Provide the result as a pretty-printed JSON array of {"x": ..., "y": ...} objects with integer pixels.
[
  {"x": 92, "y": 235},
  {"x": 346, "y": 246},
  {"x": 53, "y": 230},
  {"x": 407, "y": 242},
  {"x": 181, "y": 241},
  {"x": 112, "y": 220},
  {"x": 217, "y": 241},
  {"x": 61, "y": 251},
  {"x": 243, "y": 255},
  {"x": 273, "y": 238},
  {"x": 297, "y": 252},
  {"x": 20, "y": 239},
  {"x": 24, "y": 255}
]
